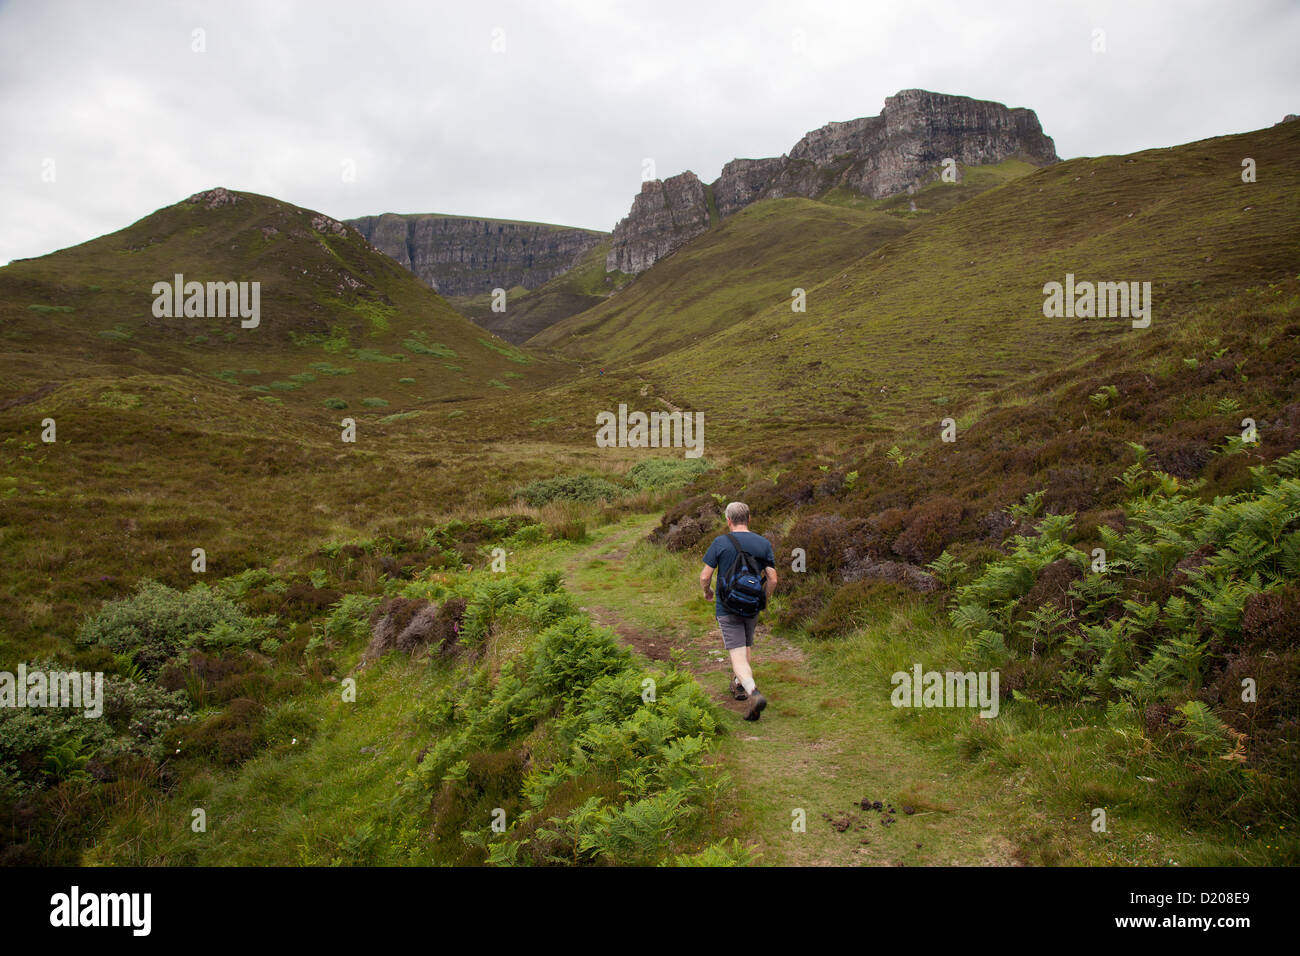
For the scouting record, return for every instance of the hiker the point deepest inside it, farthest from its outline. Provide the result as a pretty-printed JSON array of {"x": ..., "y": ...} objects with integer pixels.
[{"x": 746, "y": 569}]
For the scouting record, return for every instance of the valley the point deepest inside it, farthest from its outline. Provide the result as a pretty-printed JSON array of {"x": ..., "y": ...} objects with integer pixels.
[{"x": 940, "y": 450}]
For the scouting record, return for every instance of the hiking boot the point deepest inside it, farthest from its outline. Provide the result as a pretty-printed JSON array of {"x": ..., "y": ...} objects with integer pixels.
[
  {"x": 738, "y": 691},
  {"x": 756, "y": 704}
]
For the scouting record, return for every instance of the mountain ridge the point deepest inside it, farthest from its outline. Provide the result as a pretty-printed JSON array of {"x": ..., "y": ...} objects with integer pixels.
[
  {"x": 338, "y": 321},
  {"x": 469, "y": 255},
  {"x": 872, "y": 156}
]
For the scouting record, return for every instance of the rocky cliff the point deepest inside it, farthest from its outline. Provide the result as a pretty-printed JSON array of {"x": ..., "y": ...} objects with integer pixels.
[
  {"x": 876, "y": 156},
  {"x": 665, "y": 214},
  {"x": 463, "y": 256}
]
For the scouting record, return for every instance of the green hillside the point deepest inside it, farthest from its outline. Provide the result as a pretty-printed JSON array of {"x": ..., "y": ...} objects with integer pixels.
[
  {"x": 529, "y": 311},
  {"x": 339, "y": 321},
  {"x": 521, "y": 687},
  {"x": 737, "y": 269},
  {"x": 955, "y": 306}
]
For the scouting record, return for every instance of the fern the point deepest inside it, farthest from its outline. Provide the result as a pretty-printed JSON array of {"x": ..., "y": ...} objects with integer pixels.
[
  {"x": 1096, "y": 593},
  {"x": 717, "y": 854},
  {"x": 1112, "y": 649},
  {"x": 1045, "y": 626},
  {"x": 986, "y": 649},
  {"x": 1104, "y": 396},
  {"x": 1288, "y": 466},
  {"x": 970, "y": 618},
  {"x": 1207, "y": 732},
  {"x": 946, "y": 568},
  {"x": 1030, "y": 507},
  {"x": 1227, "y": 406},
  {"x": 1288, "y": 556},
  {"x": 635, "y": 833},
  {"x": 67, "y": 760}
]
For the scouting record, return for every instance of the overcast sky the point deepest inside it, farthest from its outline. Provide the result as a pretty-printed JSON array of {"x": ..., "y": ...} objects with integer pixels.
[{"x": 546, "y": 110}]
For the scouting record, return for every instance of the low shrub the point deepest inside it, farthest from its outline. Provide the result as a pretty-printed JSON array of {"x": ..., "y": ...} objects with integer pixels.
[
  {"x": 569, "y": 488},
  {"x": 665, "y": 472},
  {"x": 158, "y": 621}
]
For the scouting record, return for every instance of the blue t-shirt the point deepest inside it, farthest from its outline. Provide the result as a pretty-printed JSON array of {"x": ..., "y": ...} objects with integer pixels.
[{"x": 721, "y": 555}]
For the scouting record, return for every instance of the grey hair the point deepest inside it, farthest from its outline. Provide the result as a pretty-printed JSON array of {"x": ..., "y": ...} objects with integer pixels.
[{"x": 738, "y": 512}]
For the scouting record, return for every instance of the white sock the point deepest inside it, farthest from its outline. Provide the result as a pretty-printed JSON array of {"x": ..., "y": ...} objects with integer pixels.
[{"x": 749, "y": 685}]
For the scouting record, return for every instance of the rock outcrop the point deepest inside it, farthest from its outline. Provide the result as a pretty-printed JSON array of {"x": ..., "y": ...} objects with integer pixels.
[
  {"x": 743, "y": 181},
  {"x": 412, "y": 624},
  {"x": 666, "y": 214},
  {"x": 875, "y": 156},
  {"x": 214, "y": 198},
  {"x": 463, "y": 256}
]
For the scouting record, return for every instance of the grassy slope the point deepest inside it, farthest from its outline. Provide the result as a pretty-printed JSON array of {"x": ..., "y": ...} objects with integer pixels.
[
  {"x": 323, "y": 785},
  {"x": 529, "y": 311},
  {"x": 308, "y": 798},
  {"x": 995, "y": 793},
  {"x": 955, "y": 306},
  {"x": 825, "y": 742},
  {"x": 87, "y": 517},
  {"x": 985, "y": 792},
  {"x": 756, "y": 256},
  {"x": 182, "y": 433},
  {"x": 325, "y": 298}
]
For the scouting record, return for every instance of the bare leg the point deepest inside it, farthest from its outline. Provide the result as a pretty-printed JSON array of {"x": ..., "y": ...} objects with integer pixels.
[{"x": 740, "y": 666}]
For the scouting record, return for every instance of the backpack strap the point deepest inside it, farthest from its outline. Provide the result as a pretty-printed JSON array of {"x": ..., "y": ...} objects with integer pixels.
[
  {"x": 736, "y": 544},
  {"x": 742, "y": 555}
]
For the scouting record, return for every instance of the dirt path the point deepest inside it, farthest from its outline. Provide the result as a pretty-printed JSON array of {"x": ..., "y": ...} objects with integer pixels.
[{"x": 823, "y": 745}]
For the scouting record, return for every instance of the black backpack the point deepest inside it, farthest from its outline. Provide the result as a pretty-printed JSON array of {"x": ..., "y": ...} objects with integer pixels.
[{"x": 740, "y": 588}]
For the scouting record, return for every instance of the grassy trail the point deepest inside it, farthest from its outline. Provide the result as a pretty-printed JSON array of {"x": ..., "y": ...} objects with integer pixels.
[{"x": 823, "y": 744}]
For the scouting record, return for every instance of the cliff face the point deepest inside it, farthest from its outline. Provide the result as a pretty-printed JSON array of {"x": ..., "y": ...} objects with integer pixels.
[
  {"x": 876, "y": 156},
  {"x": 665, "y": 214},
  {"x": 742, "y": 182},
  {"x": 460, "y": 256}
]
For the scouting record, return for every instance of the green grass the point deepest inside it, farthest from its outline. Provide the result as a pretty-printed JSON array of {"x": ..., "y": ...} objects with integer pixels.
[
  {"x": 340, "y": 782},
  {"x": 400, "y": 417},
  {"x": 376, "y": 314},
  {"x": 582, "y": 287},
  {"x": 510, "y": 352},
  {"x": 100, "y": 282},
  {"x": 160, "y": 452},
  {"x": 1018, "y": 788},
  {"x": 436, "y": 349},
  {"x": 304, "y": 801},
  {"x": 752, "y": 260}
]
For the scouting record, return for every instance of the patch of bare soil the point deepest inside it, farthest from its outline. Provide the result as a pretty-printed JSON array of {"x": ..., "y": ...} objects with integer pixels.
[{"x": 654, "y": 646}]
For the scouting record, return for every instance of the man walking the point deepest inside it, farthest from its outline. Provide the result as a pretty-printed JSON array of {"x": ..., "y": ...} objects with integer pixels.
[{"x": 738, "y": 556}]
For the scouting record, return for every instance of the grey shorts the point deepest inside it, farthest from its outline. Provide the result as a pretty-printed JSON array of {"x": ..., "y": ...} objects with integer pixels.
[{"x": 737, "y": 631}]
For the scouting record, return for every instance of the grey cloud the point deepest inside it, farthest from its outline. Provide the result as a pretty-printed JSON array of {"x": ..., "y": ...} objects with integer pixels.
[{"x": 555, "y": 128}]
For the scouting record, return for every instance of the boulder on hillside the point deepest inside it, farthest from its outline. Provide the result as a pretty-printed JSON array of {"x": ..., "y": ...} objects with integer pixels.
[
  {"x": 688, "y": 523},
  {"x": 411, "y": 624},
  {"x": 857, "y": 567}
]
